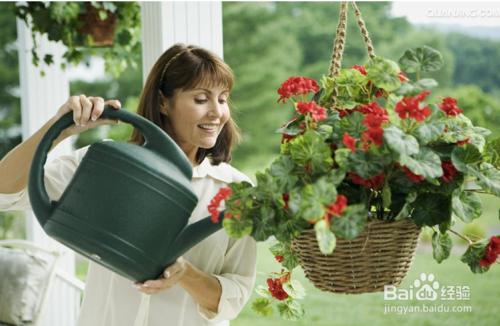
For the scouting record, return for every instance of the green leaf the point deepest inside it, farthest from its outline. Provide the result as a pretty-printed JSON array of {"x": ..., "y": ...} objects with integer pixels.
[
  {"x": 488, "y": 177},
  {"x": 367, "y": 164},
  {"x": 466, "y": 205},
  {"x": 262, "y": 306},
  {"x": 291, "y": 310},
  {"x": 492, "y": 152},
  {"x": 421, "y": 59},
  {"x": 400, "y": 142},
  {"x": 426, "y": 163},
  {"x": 237, "y": 228},
  {"x": 441, "y": 246},
  {"x": 386, "y": 195},
  {"x": 263, "y": 291},
  {"x": 282, "y": 171},
  {"x": 383, "y": 73},
  {"x": 474, "y": 254},
  {"x": 426, "y": 83},
  {"x": 351, "y": 223},
  {"x": 290, "y": 260},
  {"x": 431, "y": 209},
  {"x": 326, "y": 239},
  {"x": 294, "y": 289},
  {"x": 311, "y": 148},
  {"x": 407, "y": 207},
  {"x": 429, "y": 132},
  {"x": 464, "y": 157},
  {"x": 342, "y": 157}
]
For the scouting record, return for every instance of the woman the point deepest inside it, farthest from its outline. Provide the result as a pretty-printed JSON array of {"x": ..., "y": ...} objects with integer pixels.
[{"x": 186, "y": 94}]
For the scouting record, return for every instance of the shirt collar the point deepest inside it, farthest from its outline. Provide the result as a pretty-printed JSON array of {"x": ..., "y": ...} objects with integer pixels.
[{"x": 220, "y": 172}]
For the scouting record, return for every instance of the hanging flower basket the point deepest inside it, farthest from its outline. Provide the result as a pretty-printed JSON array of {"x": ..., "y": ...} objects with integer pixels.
[
  {"x": 368, "y": 159},
  {"x": 99, "y": 24},
  {"x": 381, "y": 255}
]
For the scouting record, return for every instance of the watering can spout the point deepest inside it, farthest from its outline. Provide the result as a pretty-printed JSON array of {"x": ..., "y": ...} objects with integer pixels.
[{"x": 193, "y": 234}]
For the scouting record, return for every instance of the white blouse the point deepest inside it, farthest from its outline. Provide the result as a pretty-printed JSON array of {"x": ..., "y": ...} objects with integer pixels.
[{"x": 112, "y": 300}]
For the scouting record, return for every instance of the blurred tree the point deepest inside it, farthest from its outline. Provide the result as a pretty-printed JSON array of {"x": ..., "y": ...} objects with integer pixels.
[{"x": 477, "y": 61}]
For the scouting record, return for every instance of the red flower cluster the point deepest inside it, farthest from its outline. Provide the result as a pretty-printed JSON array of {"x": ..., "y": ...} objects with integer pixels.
[
  {"x": 336, "y": 208},
  {"x": 409, "y": 107},
  {"x": 449, "y": 106},
  {"x": 279, "y": 258},
  {"x": 213, "y": 208},
  {"x": 374, "y": 117},
  {"x": 285, "y": 197},
  {"x": 275, "y": 286},
  {"x": 449, "y": 171},
  {"x": 317, "y": 112},
  {"x": 349, "y": 142},
  {"x": 412, "y": 176},
  {"x": 297, "y": 86},
  {"x": 359, "y": 68},
  {"x": 491, "y": 253},
  {"x": 374, "y": 182}
]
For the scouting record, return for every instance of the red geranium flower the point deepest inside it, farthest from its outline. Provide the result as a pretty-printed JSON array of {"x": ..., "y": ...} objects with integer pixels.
[
  {"x": 402, "y": 77},
  {"x": 336, "y": 208},
  {"x": 213, "y": 208},
  {"x": 349, "y": 142},
  {"x": 297, "y": 86},
  {"x": 409, "y": 107},
  {"x": 359, "y": 68},
  {"x": 317, "y": 112},
  {"x": 275, "y": 286},
  {"x": 285, "y": 197},
  {"x": 449, "y": 106},
  {"x": 374, "y": 182},
  {"x": 491, "y": 252},
  {"x": 449, "y": 171},
  {"x": 279, "y": 258},
  {"x": 463, "y": 142},
  {"x": 412, "y": 176},
  {"x": 373, "y": 135}
]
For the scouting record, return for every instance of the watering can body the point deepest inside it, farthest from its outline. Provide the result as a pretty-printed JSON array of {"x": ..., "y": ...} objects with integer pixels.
[{"x": 127, "y": 206}]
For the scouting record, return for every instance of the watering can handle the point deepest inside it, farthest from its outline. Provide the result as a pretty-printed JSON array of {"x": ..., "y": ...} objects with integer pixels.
[{"x": 155, "y": 139}]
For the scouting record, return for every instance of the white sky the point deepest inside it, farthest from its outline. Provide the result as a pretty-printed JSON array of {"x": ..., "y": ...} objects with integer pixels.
[{"x": 453, "y": 13}]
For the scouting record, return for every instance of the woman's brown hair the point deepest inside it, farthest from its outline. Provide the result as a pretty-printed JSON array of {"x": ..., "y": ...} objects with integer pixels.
[{"x": 183, "y": 68}]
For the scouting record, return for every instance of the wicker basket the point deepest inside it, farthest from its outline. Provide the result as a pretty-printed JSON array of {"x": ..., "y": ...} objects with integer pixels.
[{"x": 380, "y": 255}]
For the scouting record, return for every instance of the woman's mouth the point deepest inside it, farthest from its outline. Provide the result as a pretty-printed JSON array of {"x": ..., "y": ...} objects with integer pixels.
[{"x": 209, "y": 127}]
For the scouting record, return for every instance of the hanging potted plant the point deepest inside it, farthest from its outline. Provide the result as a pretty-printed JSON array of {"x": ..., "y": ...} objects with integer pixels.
[
  {"x": 366, "y": 162},
  {"x": 110, "y": 30}
]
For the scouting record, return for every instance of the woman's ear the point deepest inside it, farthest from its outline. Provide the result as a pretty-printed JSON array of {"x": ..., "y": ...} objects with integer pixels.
[{"x": 164, "y": 104}]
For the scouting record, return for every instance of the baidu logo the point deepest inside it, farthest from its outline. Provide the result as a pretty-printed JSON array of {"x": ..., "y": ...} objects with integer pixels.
[{"x": 424, "y": 288}]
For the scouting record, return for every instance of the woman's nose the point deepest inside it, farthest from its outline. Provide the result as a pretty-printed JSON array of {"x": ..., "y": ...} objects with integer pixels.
[{"x": 215, "y": 109}]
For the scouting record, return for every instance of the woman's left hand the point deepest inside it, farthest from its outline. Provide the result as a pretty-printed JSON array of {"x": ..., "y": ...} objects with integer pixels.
[{"x": 171, "y": 275}]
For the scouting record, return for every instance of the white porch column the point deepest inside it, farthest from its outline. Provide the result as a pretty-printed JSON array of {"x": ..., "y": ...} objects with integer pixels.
[
  {"x": 40, "y": 99},
  {"x": 167, "y": 23}
]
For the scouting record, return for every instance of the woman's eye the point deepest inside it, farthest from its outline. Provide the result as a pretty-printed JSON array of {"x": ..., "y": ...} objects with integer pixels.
[
  {"x": 200, "y": 100},
  {"x": 222, "y": 101}
]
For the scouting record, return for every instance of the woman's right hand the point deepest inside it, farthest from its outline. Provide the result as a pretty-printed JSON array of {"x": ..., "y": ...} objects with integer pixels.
[{"x": 86, "y": 113}]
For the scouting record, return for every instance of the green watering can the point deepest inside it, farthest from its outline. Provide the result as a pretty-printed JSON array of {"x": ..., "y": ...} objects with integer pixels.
[{"x": 127, "y": 206}]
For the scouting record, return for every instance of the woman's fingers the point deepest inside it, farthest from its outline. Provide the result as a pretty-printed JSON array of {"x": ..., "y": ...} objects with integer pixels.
[
  {"x": 113, "y": 103},
  {"x": 97, "y": 107},
  {"x": 74, "y": 105},
  {"x": 86, "y": 105}
]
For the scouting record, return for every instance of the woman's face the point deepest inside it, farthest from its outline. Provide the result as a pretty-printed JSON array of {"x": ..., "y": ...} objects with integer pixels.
[{"x": 197, "y": 117}]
